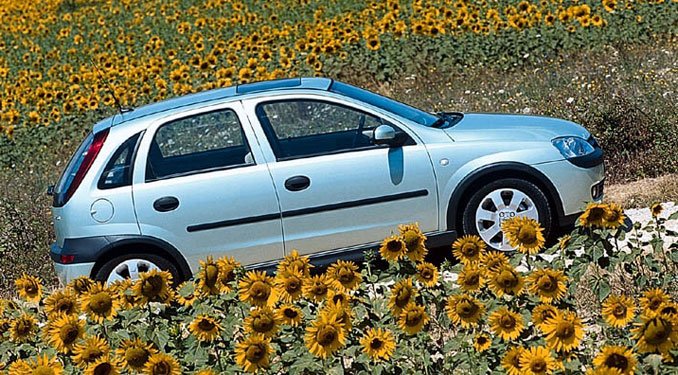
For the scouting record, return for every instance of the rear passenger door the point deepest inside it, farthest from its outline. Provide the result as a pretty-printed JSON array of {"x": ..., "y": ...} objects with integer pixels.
[{"x": 200, "y": 184}]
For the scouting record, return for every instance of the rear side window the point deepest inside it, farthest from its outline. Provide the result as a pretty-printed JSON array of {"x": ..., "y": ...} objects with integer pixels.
[
  {"x": 118, "y": 171},
  {"x": 204, "y": 142}
]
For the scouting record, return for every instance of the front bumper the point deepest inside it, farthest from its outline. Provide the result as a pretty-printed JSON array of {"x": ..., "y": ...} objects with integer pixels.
[{"x": 574, "y": 185}]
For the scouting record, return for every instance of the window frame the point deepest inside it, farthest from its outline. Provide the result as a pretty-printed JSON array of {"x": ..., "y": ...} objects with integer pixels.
[
  {"x": 130, "y": 170},
  {"x": 273, "y": 140},
  {"x": 150, "y": 176}
]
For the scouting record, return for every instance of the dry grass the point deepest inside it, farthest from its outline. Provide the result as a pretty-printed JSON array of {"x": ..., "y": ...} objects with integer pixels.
[{"x": 643, "y": 193}]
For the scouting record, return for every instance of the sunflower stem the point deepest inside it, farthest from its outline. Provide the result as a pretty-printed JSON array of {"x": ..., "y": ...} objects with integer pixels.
[{"x": 218, "y": 354}]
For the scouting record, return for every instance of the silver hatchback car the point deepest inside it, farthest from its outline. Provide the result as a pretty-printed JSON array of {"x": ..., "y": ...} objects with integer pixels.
[{"x": 256, "y": 170}]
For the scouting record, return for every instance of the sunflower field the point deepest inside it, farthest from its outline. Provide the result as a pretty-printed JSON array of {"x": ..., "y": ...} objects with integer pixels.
[{"x": 586, "y": 305}]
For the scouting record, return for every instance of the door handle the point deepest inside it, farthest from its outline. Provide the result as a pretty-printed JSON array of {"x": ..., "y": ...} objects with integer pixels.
[
  {"x": 166, "y": 204},
  {"x": 297, "y": 183}
]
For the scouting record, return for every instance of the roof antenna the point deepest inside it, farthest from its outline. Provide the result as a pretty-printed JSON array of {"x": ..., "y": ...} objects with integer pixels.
[{"x": 103, "y": 78}]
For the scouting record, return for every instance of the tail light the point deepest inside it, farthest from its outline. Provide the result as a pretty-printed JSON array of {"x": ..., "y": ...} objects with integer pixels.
[{"x": 89, "y": 156}]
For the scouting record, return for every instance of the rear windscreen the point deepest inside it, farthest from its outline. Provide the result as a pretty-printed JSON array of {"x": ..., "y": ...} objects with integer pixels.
[{"x": 70, "y": 171}]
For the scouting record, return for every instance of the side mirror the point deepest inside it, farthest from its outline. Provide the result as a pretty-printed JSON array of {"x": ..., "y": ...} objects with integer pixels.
[{"x": 386, "y": 135}]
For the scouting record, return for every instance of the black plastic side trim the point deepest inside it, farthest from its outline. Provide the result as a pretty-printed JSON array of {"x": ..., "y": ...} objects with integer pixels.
[{"x": 308, "y": 210}]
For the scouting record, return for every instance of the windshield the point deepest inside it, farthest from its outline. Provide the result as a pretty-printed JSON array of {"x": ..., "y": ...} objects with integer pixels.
[{"x": 398, "y": 108}]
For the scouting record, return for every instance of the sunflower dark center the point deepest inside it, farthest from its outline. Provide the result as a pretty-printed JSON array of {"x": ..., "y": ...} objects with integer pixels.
[
  {"x": 91, "y": 354},
  {"x": 466, "y": 309},
  {"x": 162, "y": 368},
  {"x": 547, "y": 284},
  {"x": 472, "y": 279},
  {"x": 136, "y": 357},
  {"x": 527, "y": 235},
  {"x": 206, "y": 325},
  {"x": 469, "y": 250},
  {"x": 65, "y": 305},
  {"x": 411, "y": 239},
  {"x": 413, "y": 318},
  {"x": 612, "y": 215},
  {"x": 101, "y": 303},
  {"x": 260, "y": 290},
  {"x": 538, "y": 365},
  {"x": 507, "y": 321},
  {"x": 668, "y": 310},
  {"x": 403, "y": 297},
  {"x": 326, "y": 335},
  {"x": 657, "y": 331},
  {"x": 376, "y": 343},
  {"x": 426, "y": 274},
  {"x": 619, "y": 311},
  {"x": 319, "y": 288},
  {"x": 23, "y": 328},
  {"x": 293, "y": 285},
  {"x": 43, "y": 370},
  {"x": 69, "y": 333},
  {"x": 263, "y": 323},
  {"x": 482, "y": 340},
  {"x": 255, "y": 353},
  {"x": 596, "y": 213},
  {"x": 564, "y": 330},
  {"x": 211, "y": 274},
  {"x": 346, "y": 275},
  {"x": 103, "y": 369},
  {"x": 617, "y": 360},
  {"x": 655, "y": 302},
  {"x": 152, "y": 286},
  {"x": 394, "y": 246},
  {"x": 290, "y": 313},
  {"x": 507, "y": 280}
]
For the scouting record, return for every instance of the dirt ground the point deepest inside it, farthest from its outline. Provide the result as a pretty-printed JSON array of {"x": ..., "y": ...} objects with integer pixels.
[{"x": 643, "y": 193}]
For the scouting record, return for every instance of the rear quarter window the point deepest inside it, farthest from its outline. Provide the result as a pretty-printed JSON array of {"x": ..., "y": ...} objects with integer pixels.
[{"x": 118, "y": 171}]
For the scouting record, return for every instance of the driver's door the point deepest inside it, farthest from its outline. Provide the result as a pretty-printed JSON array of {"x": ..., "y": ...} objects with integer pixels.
[{"x": 337, "y": 189}]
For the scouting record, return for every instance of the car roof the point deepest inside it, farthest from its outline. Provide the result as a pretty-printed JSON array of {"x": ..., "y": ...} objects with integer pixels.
[{"x": 216, "y": 94}]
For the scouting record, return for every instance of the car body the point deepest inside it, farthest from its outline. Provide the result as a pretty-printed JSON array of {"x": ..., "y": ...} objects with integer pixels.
[{"x": 312, "y": 164}]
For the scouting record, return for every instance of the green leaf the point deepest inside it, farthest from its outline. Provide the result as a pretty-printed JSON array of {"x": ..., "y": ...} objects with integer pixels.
[{"x": 603, "y": 290}]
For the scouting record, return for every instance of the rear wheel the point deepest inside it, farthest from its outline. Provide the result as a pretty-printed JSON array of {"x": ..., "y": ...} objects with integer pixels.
[
  {"x": 500, "y": 200},
  {"x": 131, "y": 265}
]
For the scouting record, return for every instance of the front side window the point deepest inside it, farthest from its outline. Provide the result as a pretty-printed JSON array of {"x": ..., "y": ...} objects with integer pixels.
[
  {"x": 298, "y": 128},
  {"x": 198, "y": 143}
]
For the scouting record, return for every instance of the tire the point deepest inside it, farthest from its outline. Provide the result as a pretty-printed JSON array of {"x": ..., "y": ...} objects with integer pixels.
[
  {"x": 144, "y": 262},
  {"x": 532, "y": 202}
]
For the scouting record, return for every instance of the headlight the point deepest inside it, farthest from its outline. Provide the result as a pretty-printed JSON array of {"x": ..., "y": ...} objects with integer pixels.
[{"x": 571, "y": 147}]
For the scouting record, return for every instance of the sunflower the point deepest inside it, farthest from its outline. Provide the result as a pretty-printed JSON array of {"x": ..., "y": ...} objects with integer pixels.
[
  {"x": 414, "y": 241},
  {"x": 379, "y": 344},
  {"x": 88, "y": 351},
  {"x": 346, "y": 274},
  {"x": 413, "y": 318},
  {"x": 506, "y": 323},
  {"x": 614, "y": 216},
  {"x": 227, "y": 267},
  {"x": 316, "y": 287},
  {"x": 338, "y": 297},
  {"x": 471, "y": 278},
  {"x": 81, "y": 284},
  {"x": 511, "y": 360},
  {"x": 186, "y": 293},
  {"x": 29, "y": 288},
  {"x": 616, "y": 357},
  {"x": 289, "y": 283},
  {"x": 402, "y": 293},
  {"x": 656, "y": 334},
  {"x": 656, "y": 209},
  {"x": 668, "y": 309},
  {"x": 263, "y": 320},
  {"x": 256, "y": 288},
  {"x": 103, "y": 366},
  {"x": 491, "y": 261},
  {"x": 162, "y": 364},
  {"x": 618, "y": 311},
  {"x": 468, "y": 249},
  {"x": 465, "y": 310},
  {"x": 537, "y": 360},
  {"x": 427, "y": 274},
  {"x": 252, "y": 354},
  {"x": 343, "y": 312},
  {"x": 20, "y": 367},
  {"x": 154, "y": 286},
  {"x": 564, "y": 242},
  {"x": 99, "y": 303},
  {"x": 45, "y": 365},
  {"x": 135, "y": 353},
  {"x": 482, "y": 342},
  {"x": 23, "y": 328},
  {"x": 204, "y": 328},
  {"x": 524, "y": 234},
  {"x": 393, "y": 248},
  {"x": 294, "y": 260},
  {"x": 652, "y": 299},
  {"x": 542, "y": 313},
  {"x": 205, "y": 371},
  {"x": 291, "y": 315},
  {"x": 123, "y": 289},
  {"x": 563, "y": 332},
  {"x": 506, "y": 280},
  {"x": 548, "y": 284},
  {"x": 593, "y": 215},
  {"x": 63, "y": 301},
  {"x": 325, "y": 336},
  {"x": 208, "y": 277},
  {"x": 63, "y": 333}
]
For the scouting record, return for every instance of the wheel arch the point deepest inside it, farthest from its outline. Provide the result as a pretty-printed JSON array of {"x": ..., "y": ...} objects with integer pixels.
[
  {"x": 495, "y": 171},
  {"x": 125, "y": 245}
]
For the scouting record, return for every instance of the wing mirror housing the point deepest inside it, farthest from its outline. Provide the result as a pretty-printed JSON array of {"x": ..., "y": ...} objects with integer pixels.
[{"x": 387, "y": 135}]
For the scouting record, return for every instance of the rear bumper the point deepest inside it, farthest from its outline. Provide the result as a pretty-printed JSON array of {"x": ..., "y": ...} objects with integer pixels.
[{"x": 68, "y": 272}]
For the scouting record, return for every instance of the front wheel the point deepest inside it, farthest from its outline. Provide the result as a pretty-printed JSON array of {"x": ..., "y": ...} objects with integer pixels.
[
  {"x": 131, "y": 265},
  {"x": 500, "y": 200}
]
